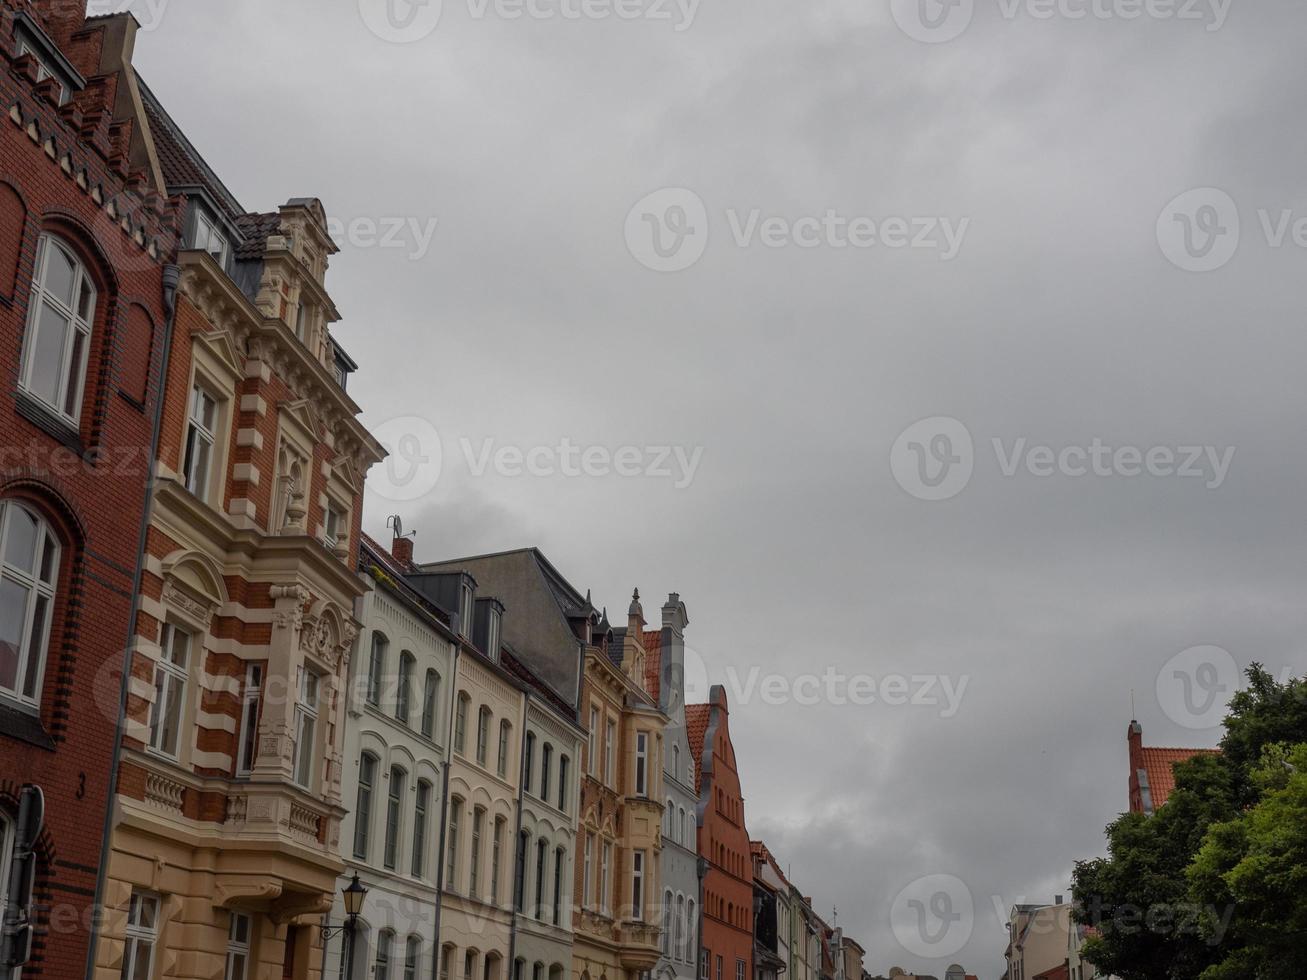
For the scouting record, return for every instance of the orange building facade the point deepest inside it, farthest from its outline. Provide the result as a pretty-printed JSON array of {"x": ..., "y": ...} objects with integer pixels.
[{"x": 726, "y": 945}]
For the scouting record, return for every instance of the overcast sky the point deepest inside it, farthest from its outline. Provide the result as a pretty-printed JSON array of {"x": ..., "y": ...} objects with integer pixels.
[{"x": 1053, "y": 149}]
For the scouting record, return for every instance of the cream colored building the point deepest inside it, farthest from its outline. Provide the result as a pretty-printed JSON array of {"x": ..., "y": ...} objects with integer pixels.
[
  {"x": 396, "y": 748},
  {"x": 225, "y": 838},
  {"x": 1038, "y": 938}
]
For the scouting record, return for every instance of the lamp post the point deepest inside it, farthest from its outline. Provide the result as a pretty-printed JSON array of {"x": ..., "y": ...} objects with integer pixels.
[{"x": 353, "y": 893}]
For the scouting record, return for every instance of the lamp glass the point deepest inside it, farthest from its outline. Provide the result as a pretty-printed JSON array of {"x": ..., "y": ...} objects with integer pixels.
[{"x": 354, "y": 894}]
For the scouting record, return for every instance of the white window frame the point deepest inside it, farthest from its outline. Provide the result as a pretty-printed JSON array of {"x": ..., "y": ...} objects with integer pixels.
[
  {"x": 309, "y": 691},
  {"x": 363, "y": 807},
  {"x": 171, "y": 686},
  {"x": 474, "y": 864},
  {"x": 592, "y": 738},
  {"x": 207, "y": 235},
  {"x": 610, "y": 738},
  {"x": 43, "y": 70},
  {"x": 587, "y": 883},
  {"x": 385, "y": 950},
  {"x": 505, "y": 735},
  {"x": 238, "y": 950},
  {"x": 496, "y": 857},
  {"x": 72, "y": 377},
  {"x": 484, "y": 717},
  {"x": 492, "y": 635},
  {"x": 247, "y": 749},
  {"x": 396, "y": 785},
  {"x": 421, "y": 820},
  {"x": 376, "y": 668},
  {"x": 412, "y": 957},
  {"x": 140, "y": 937},
  {"x": 197, "y": 470},
  {"x": 404, "y": 687},
  {"x": 641, "y": 763},
  {"x": 335, "y": 525},
  {"x": 430, "y": 703},
  {"x": 465, "y": 608},
  {"x": 605, "y": 878},
  {"x": 41, "y": 586},
  {"x": 637, "y": 885},
  {"x": 464, "y": 701}
]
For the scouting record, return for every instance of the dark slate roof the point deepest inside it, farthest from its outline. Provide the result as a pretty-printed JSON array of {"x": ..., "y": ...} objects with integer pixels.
[
  {"x": 255, "y": 229},
  {"x": 532, "y": 680},
  {"x": 181, "y": 162}
]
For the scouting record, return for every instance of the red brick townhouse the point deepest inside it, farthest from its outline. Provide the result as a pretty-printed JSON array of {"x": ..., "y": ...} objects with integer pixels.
[
  {"x": 1152, "y": 771},
  {"x": 85, "y": 237},
  {"x": 726, "y": 946}
]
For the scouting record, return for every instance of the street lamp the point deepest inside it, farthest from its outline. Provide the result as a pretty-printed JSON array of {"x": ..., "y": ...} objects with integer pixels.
[{"x": 353, "y": 893}]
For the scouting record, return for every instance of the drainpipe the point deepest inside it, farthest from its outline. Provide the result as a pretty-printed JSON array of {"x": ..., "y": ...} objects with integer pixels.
[
  {"x": 444, "y": 804},
  {"x": 172, "y": 275}
]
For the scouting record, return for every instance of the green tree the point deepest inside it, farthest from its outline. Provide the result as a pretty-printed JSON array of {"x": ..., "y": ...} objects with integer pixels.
[
  {"x": 1158, "y": 921},
  {"x": 1256, "y": 866}
]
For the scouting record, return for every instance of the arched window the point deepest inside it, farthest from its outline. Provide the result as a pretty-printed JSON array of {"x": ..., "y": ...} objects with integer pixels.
[
  {"x": 519, "y": 871},
  {"x": 412, "y": 953},
  {"x": 363, "y": 805},
  {"x": 563, "y": 765},
  {"x": 669, "y": 812},
  {"x": 430, "y": 698},
  {"x": 29, "y": 571},
  {"x": 394, "y": 802},
  {"x": 496, "y": 860},
  {"x": 446, "y": 961},
  {"x": 668, "y": 945},
  {"x": 678, "y": 924},
  {"x": 529, "y": 761},
  {"x": 58, "y": 334},
  {"x": 460, "y": 723},
  {"x": 542, "y": 858},
  {"x": 451, "y": 863},
  {"x": 483, "y": 734},
  {"x": 691, "y": 931},
  {"x": 377, "y": 668},
  {"x": 546, "y": 757},
  {"x": 474, "y": 866},
  {"x": 684, "y": 833},
  {"x": 404, "y": 687},
  {"x": 676, "y": 761},
  {"x": 505, "y": 739},
  {"x": 421, "y": 804},
  {"x": 385, "y": 944},
  {"x": 560, "y": 858}
]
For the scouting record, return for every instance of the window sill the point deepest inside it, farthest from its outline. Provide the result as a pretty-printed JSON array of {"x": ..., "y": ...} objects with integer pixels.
[
  {"x": 48, "y": 421},
  {"x": 24, "y": 726}
]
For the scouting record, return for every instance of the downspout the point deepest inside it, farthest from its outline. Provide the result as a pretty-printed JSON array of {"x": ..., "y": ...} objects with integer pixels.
[
  {"x": 172, "y": 275},
  {"x": 444, "y": 804},
  {"x": 517, "y": 833}
]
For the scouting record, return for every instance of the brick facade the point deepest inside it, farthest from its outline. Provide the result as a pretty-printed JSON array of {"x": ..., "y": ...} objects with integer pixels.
[{"x": 66, "y": 170}]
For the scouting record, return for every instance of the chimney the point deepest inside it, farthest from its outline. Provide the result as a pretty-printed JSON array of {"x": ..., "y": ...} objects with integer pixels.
[
  {"x": 401, "y": 549},
  {"x": 60, "y": 18}
]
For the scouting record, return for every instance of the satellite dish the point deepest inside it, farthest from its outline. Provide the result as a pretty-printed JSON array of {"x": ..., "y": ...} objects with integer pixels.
[
  {"x": 897, "y": 971},
  {"x": 955, "y": 972}
]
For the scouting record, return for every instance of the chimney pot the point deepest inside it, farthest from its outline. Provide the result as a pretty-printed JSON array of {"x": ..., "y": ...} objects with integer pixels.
[{"x": 401, "y": 549}]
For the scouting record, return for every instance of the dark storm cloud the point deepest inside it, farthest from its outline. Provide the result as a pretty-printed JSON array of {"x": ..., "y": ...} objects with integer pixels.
[{"x": 1059, "y": 321}]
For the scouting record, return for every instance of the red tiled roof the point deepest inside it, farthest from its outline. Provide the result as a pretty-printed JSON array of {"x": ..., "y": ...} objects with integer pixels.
[
  {"x": 1059, "y": 972},
  {"x": 653, "y": 661},
  {"x": 696, "y": 727},
  {"x": 1160, "y": 766}
]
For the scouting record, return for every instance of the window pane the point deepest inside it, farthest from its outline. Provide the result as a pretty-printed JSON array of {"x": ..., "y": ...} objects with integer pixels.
[
  {"x": 13, "y": 610},
  {"x": 172, "y": 715},
  {"x": 72, "y": 392},
  {"x": 35, "y": 646},
  {"x": 45, "y": 367},
  {"x": 49, "y": 560},
  {"x": 86, "y": 300},
  {"x": 141, "y": 968},
  {"x": 20, "y": 540},
  {"x": 60, "y": 274}
]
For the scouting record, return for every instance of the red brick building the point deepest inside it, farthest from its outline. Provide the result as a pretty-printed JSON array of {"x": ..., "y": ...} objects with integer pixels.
[
  {"x": 85, "y": 236},
  {"x": 726, "y": 951},
  {"x": 1152, "y": 771}
]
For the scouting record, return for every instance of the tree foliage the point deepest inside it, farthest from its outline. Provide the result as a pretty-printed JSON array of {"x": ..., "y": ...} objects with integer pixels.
[{"x": 1214, "y": 886}]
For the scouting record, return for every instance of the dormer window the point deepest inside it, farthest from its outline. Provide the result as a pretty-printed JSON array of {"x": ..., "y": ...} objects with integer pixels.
[
  {"x": 302, "y": 323},
  {"x": 465, "y": 611},
  {"x": 43, "y": 70},
  {"x": 492, "y": 634},
  {"x": 208, "y": 238}
]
